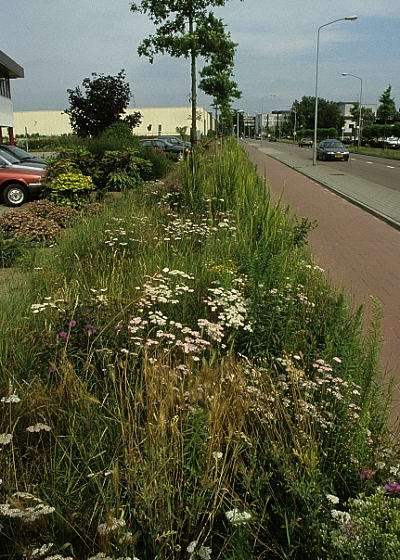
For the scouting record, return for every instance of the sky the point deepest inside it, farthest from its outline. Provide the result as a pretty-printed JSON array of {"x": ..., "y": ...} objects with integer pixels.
[{"x": 60, "y": 43}]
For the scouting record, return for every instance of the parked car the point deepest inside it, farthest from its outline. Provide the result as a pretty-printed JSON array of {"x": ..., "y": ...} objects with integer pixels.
[
  {"x": 24, "y": 157},
  {"x": 176, "y": 141},
  {"x": 272, "y": 139},
  {"x": 19, "y": 182},
  {"x": 160, "y": 144},
  {"x": 306, "y": 143},
  {"x": 393, "y": 143},
  {"x": 332, "y": 149}
]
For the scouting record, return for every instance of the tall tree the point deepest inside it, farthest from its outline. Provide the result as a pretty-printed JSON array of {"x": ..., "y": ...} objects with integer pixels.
[
  {"x": 387, "y": 109},
  {"x": 179, "y": 32},
  {"x": 102, "y": 103}
]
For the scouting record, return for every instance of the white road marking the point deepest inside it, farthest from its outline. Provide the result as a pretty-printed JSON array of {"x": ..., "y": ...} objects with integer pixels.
[
  {"x": 369, "y": 162},
  {"x": 390, "y": 167}
]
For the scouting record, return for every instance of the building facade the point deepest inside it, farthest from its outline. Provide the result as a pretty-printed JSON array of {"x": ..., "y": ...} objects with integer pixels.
[
  {"x": 156, "y": 121},
  {"x": 9, "y": 70},
  {"x": 270, "y": 123},
  {"x": 350, "y": 127}
]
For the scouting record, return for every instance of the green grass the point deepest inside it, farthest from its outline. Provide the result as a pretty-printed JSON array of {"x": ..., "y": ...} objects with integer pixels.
[
  {"x": 150, "y": 446},
  {"x": 376, "y": 152}
]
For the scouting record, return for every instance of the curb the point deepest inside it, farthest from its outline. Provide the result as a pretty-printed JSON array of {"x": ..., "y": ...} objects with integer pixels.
[{"x": 387, "y": 219}]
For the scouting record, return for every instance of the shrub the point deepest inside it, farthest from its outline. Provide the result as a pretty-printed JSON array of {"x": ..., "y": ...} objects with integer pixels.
[
  {"x": 61, "y": 215},
  {"x": 161, "y": 164},
  {"x": 11, "y": 249},
  {"x": 25, "y": 225},
  {"x": 70, "y": 189}
]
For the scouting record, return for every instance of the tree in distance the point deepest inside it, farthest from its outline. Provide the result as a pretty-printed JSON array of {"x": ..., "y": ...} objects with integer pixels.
[
  {"x": 386, "y": 113},
  {"x": 329, "y": 115},
  {"x": 180, "y": 32},
  {"x": 101, "y": 104}
]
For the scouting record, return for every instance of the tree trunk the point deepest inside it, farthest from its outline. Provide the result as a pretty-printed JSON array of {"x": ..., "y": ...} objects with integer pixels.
[{"x": 193, "y": 128}]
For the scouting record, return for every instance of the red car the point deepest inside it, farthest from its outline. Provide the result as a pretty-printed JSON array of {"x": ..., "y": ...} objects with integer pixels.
[{"x": 18, "y": 183}]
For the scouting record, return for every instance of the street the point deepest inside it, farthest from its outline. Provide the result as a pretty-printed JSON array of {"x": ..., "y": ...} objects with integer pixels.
[{"x": 385, "y": 172}]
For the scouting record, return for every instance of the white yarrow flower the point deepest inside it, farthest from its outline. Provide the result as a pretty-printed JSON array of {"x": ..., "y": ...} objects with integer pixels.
[
  {"x": 237, "y": 517},
  {"x": 333, "y": 499},
  {"x": 5, "y": 439}
]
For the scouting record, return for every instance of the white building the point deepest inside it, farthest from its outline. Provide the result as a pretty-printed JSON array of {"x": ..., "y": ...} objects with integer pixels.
[
  {"x": 156, "y": 121},
  {"x": 350, "y": 126},
  {"x": 9, "y": 70},
  {"x": 270, "y": 123}
]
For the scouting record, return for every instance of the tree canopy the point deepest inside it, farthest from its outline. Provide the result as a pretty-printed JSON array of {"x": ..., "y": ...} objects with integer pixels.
[
  {"x": 387, "y": 109},
  {"x": 329, "y": 115},
  {"x": 101, "y": 104},
  {"x": 217, "y": 77}
]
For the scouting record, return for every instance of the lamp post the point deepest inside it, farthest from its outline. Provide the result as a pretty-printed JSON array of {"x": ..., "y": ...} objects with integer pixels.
[
  {"x": 348, "y": 18},
  {"x": 359, "y": 106},
  {"x": 238, "y": 123}
]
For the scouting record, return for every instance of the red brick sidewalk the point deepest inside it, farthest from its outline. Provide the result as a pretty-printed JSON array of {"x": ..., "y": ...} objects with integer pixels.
[{"x": 359, "y": 252}]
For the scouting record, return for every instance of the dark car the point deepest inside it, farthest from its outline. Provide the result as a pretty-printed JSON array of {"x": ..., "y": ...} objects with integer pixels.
[
  {"x": 176, "y": 141},
  {"x": 19, "y": 182},
  {"x": 331, "y": 149},
  {"x": 306, "y": 143},
  {"x": 272, "y": 139},
  {"x": 163, "y": 145},
  {"x": 24, "y": 157}
]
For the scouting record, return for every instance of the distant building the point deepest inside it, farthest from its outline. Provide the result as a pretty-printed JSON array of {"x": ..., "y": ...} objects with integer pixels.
[
  {"x": 156, "y": 121},
  {"x": 9, "y": 70},
  {"x": 270, "y": 123},
  {"x": 350, "y": 126}
]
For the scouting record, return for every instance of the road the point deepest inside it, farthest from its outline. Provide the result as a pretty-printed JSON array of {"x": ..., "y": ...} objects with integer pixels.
[{"x": 385, "y": 172}]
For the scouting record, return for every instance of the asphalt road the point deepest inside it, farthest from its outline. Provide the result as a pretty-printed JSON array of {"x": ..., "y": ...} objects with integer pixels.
[{"x": 381, "y": 171}]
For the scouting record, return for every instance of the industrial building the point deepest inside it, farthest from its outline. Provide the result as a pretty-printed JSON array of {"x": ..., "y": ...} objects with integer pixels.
[
  {"x": 9, "y": 70},
  {"x": 156, "y": 121}
]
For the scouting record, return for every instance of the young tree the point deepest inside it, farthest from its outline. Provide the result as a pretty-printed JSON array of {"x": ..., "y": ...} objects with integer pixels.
[
  {"x": 179, "y": 24},
  {"x": 101, "y": 104},
  {"x": 387, "y": 109},
  {"x": 217, "y": 77}
]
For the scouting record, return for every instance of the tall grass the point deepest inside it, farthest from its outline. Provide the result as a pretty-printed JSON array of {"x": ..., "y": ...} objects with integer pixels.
[{"x": 152, "y": 441}]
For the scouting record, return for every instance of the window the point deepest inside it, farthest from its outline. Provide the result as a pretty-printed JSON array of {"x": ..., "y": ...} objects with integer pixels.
[
  {"x": 159, "y": 129},
  {"x": 5, "y": 87}
]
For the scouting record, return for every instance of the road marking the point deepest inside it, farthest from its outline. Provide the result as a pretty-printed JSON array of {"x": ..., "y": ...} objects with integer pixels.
[
  {"x": 390, "y": 167},
  {"x": 369, "y": 162}
]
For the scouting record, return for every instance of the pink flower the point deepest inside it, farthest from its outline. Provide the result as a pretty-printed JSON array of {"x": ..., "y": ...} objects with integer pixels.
[
  {"x": 366, "y": 474},
  {"x": 393, "y": 488},
  {"x": 90, "y": 329},
  {"x": 72, "y": 324},
  {"x": 62, "y": 335}
]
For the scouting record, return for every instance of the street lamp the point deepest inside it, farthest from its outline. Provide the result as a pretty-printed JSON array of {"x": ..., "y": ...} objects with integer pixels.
[
  {"x": 348, "y": 18},
  {"x": 360, "y": 105}
]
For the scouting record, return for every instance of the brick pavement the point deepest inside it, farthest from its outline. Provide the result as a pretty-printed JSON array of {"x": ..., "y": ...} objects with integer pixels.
[{"x": 359, "y": 252}]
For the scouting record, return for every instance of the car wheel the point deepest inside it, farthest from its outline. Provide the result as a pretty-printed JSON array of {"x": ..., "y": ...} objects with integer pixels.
[
  {"x": 346, "y": 159},
  {"x": 15, "y": 194}
]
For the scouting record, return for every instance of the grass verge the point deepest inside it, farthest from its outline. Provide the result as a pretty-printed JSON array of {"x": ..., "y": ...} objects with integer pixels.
[{"x": 375, "y": 152}]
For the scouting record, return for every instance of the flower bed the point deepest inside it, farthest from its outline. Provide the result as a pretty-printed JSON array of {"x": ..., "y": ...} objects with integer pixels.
[{"x": 180, "y": 381}]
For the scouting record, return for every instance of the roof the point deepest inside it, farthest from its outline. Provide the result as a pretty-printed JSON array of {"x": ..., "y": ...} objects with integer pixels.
[{"x": 9, "y": 68}]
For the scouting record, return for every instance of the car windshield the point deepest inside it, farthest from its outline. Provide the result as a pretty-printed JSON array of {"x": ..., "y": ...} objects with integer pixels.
[
  {"x": 18, "y": 152},
  {"x": 333, "y": 144},
  {"x": 8, "y": 157}
]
